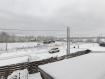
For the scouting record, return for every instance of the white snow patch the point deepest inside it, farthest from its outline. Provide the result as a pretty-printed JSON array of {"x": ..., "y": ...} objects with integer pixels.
[{"x": 90, "y": 66}]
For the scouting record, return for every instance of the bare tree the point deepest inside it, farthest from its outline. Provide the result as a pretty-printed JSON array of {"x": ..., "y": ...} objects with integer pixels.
[{"x": 4, "y": 37}]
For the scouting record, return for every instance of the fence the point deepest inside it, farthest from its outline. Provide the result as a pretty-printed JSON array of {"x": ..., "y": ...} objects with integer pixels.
[
  {"x": 14, "y": 46},
  {"x": 7, "y": 70},
  {"x": 8, "y": 47},
  {"x": 32, "y": 67},
  {"x": 22, "y": 40}
]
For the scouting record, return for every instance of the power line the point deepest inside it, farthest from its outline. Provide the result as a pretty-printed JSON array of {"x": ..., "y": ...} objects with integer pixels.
[
  {"x": 31, "y": 30},
  {"x": 76, "y": 33},
  {"x": 40, "y": 30}
]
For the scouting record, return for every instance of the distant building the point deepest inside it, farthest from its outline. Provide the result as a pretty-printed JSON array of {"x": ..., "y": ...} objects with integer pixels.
[
  {"x": 34, "y": 40},
  {"x": 51, "y": 41},
  {"x": 47, "y": 42}
]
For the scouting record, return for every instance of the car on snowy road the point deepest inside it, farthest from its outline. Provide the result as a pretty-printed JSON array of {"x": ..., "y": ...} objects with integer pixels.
[{"x": 53, "y": 50}]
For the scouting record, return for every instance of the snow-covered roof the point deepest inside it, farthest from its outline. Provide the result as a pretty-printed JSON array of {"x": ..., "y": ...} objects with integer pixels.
[{"x": 90, "y": 66}]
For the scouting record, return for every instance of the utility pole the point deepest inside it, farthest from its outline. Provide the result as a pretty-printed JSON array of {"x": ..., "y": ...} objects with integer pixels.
[
  {"x": 68, "y": 40},
  {"x": 93, "y": 41},
  {"x": 100, "y": 38}
]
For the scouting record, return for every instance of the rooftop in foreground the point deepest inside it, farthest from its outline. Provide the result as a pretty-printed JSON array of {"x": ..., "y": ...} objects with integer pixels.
[{"x": 89, "y": 66}]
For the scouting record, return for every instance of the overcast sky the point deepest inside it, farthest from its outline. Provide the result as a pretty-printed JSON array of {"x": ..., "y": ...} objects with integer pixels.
[{"x": 84, "y": 17}]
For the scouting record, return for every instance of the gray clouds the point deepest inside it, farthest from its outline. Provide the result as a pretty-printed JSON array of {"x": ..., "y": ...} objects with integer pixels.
[{"x": 85, "y": 17}]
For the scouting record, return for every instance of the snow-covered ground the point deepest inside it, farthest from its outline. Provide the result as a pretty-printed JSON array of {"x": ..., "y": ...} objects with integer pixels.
[
  {"x": 38, "y": 53},
  {"x": 41, "y": 52},
  {"x": 35, "y": 76},
  {"x": 16, "y": 46}
]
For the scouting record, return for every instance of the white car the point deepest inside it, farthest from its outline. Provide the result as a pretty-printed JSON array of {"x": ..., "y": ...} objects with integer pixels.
[{"x": 53, "y": 50}]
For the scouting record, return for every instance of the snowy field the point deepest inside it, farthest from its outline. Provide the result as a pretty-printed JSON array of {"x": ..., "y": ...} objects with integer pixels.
[
  {"x": 41, "y": 52},
  {"x": 37, "y": 53},
  {"x": 16, "y": 46}
]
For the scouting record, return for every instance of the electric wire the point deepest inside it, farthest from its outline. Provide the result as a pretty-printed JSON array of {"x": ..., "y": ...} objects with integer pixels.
[
  {"x": 41, "y": 30},
  {"x": 31, "y": 30}
]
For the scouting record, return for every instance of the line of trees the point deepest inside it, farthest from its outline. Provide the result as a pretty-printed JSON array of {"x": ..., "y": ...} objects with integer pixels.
[{"x": 7, "y": 38}]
